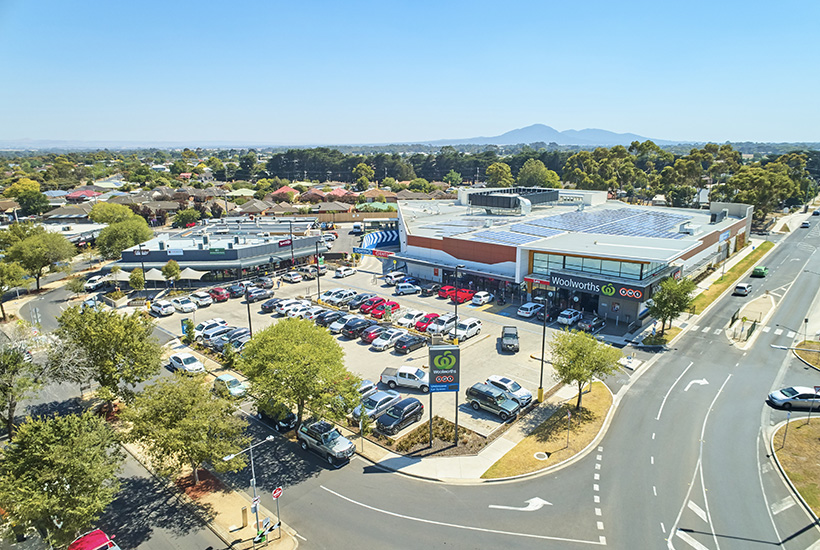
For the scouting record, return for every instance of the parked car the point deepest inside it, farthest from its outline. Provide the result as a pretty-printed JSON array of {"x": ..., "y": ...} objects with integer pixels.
[
  {"x": 269, "y": 306},
  {"x": 328, "y": 293},
  {"x": 406, "y": 288},
  {"x": 529, "y": 309},
  {"x": 482, "y": 298},
  {"x": 551, "y": 314},
  {"x": 492, "y": 399},
  {"x": 93, "y": 540},
  {"x": 344, "y": 272},
  {"x": 207, "y": 325},
  {"x": 162, "y": 308},
  {"x": 308, "y": 272},
  {"x": 219, "y": 294},
  {"x": 430, "y": 289},
  {"x": 591, "y": 323},
  {"x": 424, "y": 322},
  {"x": 410, "y": 281},
  {"x": 326, "y": 319},
  {"x": 277, "y": 415},
  {"x": 209, "y": 337},
  {"x": 341, "y": 298},
  {"x": 324, "y": 438},
  {"x": 569, "y": 317},
  {"x": 442, "y": 324},
  {"x": 380, "y": 310},
  {"x": 463, "y": 295},
  {"x": 229, "y": 337},
  {"x": 743, "y": 289},
  {"x": 371, "y": 333},
  {"x": 406, "y": 376},
  {"x": 359, "y": 299},
  {"x": 387, "y": 339},
  {"x": 394, "y": 277},
  {"x": 238, "y": 343},
  {"x": 313, "y": 312},
  {"x": 798, "y": 397},
  {"x": 816, "y": 213},
  {"x": 355, "y": 327},
  {"x": 399, "y": 416},
  {"x": 509, "y": 338},
  {"x": 520, "y": 395},
  {"x": 236, "y": 291},
  {"x": 201, "y": 299},
  {"x": 371, "y": 303},
  {"x": 376, "y": 403},
  {"x": 255, "y": 294},
  {"x": 760, "y": 271},
  {"x": 409, "y": 318},
  {"x": 185, "y": 305},
  {"x": 228, "y": 385},
  {"x": 409, "y": 343},
  {"x": 292, "y": 277},
  {"x": 94, "y": 283},
  {"x": 466, "y": 329},
  {"x": 446, "y": 291},
  {"x": 805, "y": 225},
  {"x": 336, "y": 326},
  {"x": 298, "y": 311},
  {"x": 263, "y": 282},
  {"x": 185, "y": 362}
]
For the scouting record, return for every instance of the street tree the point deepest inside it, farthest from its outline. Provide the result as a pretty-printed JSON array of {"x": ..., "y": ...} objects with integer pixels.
[
  {"x": 59, "y": 475},
  {"x": 186, "y": 217},
  {"x": 17, "y": 232},
  {"x": 499, "y": 175},
  {"x": 171, "y": 271},
  {"x": 121, "y": 235},
  {"x": 120, "y": 350},
  {"x": 364, "y": 175},
  {"x": 179, "y": 422},
  {"x": 32, "y": 203},
  {"x": 535, "y": 174},
  {"x": 578, "y": 357},
  {"x": 11, "y": 276},
  {"x": 301, "y": 365},
  {"x": 110, "y": 212},
  {"x": 115, "y": 274},
  {"x": 21, "y": 186},
  {"x": 671, "y": 299},
  {"x": 41, "y": 251},
  {"x": 137, "y": 279},
  {"x": 75, "y": 285},
  {"x": 453, "y": 178},
  {"x": 19, "y": 379}
]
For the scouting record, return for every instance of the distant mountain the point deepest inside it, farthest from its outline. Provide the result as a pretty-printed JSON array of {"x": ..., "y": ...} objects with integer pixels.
[{"x": 542, "y": 132}]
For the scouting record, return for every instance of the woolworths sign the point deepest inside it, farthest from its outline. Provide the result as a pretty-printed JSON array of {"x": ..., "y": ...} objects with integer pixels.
[
  {"x": 614, "y": 290},
  {"x": 444, "y": 368}
]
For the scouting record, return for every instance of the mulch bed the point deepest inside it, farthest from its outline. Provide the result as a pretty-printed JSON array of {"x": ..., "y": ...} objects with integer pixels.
[{"x": 208, "y": 483}]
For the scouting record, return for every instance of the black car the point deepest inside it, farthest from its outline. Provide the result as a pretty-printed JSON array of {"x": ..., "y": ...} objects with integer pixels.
[
  {"x": 270, "y": 305},
  {"x": 236, "y": 291},
  {"x": 359, "y": 299},
  {"x": 263, "y": 282},
  {"x": 327, "y": 319},
  {"x": 410, "y": 342},
  {"x": 400, "y": 415},
  {"x": 553, "y": 313},
  {"x": 355, "y": 327},
  {"x": 430, "y": 289},
  {"x": 277, "y": 416},
  {"x": 591, "y": 323}
]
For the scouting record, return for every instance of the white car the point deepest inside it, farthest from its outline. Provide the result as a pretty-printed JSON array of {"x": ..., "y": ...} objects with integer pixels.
[
  {"x": 344, "y": 272},
  {"x": 187, "y": 363},
  {"x": 530, "y": 309},
  {"x": 342, "y": 297},
  {"x": 466, "y": 329},
  {"x": 569, "y": 317},
  {"x": 201, "y": 299},
  {"x": 407, "y": 288},
  {"x": 387, "y": 339},
  {"x": 312, "y": 312},
  {"x": 325, "y": 296},
  {"x": 520, "y": 395},
  {"x": 207, "y": 325},
  {"x": 185, "y": 305},
  {"x": 163, "y": 308},
  {"x": 294, "y": 304},
  {"x": 481, "y": 298},
  {"x": 328, "y": 237},
  {"x": 410, "y": 318},
  {"x": 336, "y": 326},
  {"x": 298, "y": 310},
  {"x": 292, "y": 277},
  {"x": 282, "y": 307},
  {"x": 95, "y": 282},
  {"x": 799, "y": 397}
]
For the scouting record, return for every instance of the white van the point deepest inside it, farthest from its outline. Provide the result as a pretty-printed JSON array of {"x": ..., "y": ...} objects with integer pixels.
[
  {"x": 358, "y": 228},
  {"x": 466, "y": 329},
  {"x": 394, "y": 277}
]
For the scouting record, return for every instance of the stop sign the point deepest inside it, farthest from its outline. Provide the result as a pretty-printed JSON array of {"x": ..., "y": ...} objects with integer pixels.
[{"x": 277, "y": 493}]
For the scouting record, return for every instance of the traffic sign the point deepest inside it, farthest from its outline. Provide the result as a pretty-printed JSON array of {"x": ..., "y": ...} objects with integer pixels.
[
  {"x": 816, "y": 389},
  {"x": 277, "y": 493},
  {"x": 256, "y": 501}
]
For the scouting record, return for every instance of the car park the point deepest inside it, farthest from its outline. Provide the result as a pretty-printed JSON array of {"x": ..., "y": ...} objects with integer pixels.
[
  {"x": 399, "y": 416},
  {"x": 207, "y": 325},
  {"x": 519, "y": 394},
  {"x": 354, "y": 328},
  {"x": 409, "y": 343},
  {"x": 394, "y": 277},
  {"x": 482, "y": 298},
  {"x": 380, "y": 311},
  {"x": 263, "y": 282},
  {"x": 442, "y": 324},
  {"x": 219, "y": 294},
  {"x": 466, "y": 329},
  {"x": 376, "y": 403},
  {"x": 409, "y": 318},
  {"x": 185, "y": 362},
  {"x": 94, "y": 283},
  {"x": 269, "y": 306},
  {"x": 591, "y": 323},
  {"x": 463, "y": 295},
  {"x": 551, "y": 313},
  {"x": 424, "y": 322},
  {"x": 283, "y": 306},
  {"x": 569, "y": 317},
  {"x": 344, "y": 272},
  {"x": 292, "y": 277},
  {"x": 805, "y": 225},
  {"x": 492, "y": 399},
  {"x": 430, "y": 289},
  {"x": 255, "y": 294},
  {"x": 201, "y": 299},
  {"x": 236, "y": 291},
  {"x": 326, "y": 319},
  {"x": 210, "y": 336},
  {"x": 446, "y": 291},
  {"x": 359, "y": 299},
  {"x": 336, "y": 326},
  {"x": 228, "y": 385},
  {"x": 184, "y": 305},
  {"x": 406, "y": 288},
  {"x": 371, "y": 303},
  {"x": 530, "y": 309},
  {"x": 795, "y": 397},
  {"x": 407, "y": 376},
  {"x": 324, "y": 438},
  {"x": 760, "y": 271},
  {"x": 162, "y": 308},
  {"x": 371, "y": 333},
  {"x": 238, "y": 343},
  {"x": 743, "y": 289},
  {"x": 341, "y": 298},
  {"x": 387, "y": 339}
]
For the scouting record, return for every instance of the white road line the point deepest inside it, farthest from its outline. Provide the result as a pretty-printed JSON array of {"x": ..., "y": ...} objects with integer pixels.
[
  {"x": 790, "y": 334},
  {"x": 783, "y": 504},
  {"x": 652, "y": 460},
  {"x": 596, "y": 499},
  {"x": 596, "y": 477},
  {"x": 695, "y": 327},
  {"x": 697, "y": 510},
  {"x": 602, "y": 541},
  {"x": 706, "y": 329},
  {"x": 663, "y": 528},
  {"x": 778, "y": 331},
  {"x": 595, "y": 487},
  {"x": 600, "y": 449},
  {"x": 465, "y": 527},
  {"x": 654, "y": 490},
  {"x": 598, "y": 457},
  {"x": 301, "y": 537},
  {"x": 601, "y": 525},
  {"x": 718, "y": 331},
  {"x": 665, "y": 397},
  {"x": 686, "y": 537},
  {"x": 767, "y": 329},
  {"x": 597, "y": 466},
  {"x": 653, "y": 436},
  {"x": 766, "y": 468},
  {"x": 597, "y": 511}
]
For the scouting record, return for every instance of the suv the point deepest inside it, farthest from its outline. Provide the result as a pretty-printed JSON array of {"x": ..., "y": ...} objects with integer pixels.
[
  {"x": 466, "y": 329},
  {"x": 400, "y": 415},
  {"x": 395, "y": 277},
  {"x": 341, "y": 298},
  {"x": 442, "y": 324},
  {"x": 207, "y": 325},
  {"x": 256, "y": 294},
  {"x": 407, "y": 288},
  {"x": 492, "y": 399},
  {"x": 308, "y": 272},
  {"x": 569, "y": 317},
  {"x": 743, "y": 289},
  {"x": 322, "y": 437},
  {"x": 219, "y": 294}
]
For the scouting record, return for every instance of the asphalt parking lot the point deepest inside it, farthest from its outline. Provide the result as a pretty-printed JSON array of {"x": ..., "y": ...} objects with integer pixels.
[{"x": 481, "y": 354}]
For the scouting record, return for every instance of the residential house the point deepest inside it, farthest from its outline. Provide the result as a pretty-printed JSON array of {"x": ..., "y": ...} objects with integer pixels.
[
  {"x": 373, "y": 194},
  {"x": 328, "y": 207},
  {"x": 74, "y": 212},
  {"x": 82, "y": 195},
  {"x": 281, "y": 194},
  {"x": 255, "y": 207},
  {"x": 312, "y": 195}
]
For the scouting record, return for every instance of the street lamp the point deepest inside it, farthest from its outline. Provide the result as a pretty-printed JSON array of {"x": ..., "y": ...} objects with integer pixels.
[
  {"x": 318, "y": 282},
  {"x": 253, "y": 473},
  {"x": 543, "y": 345},
  {"x": 292, "y": 260},
  {"x": 142, "y": 263},
  {"x": 455, "y": 299}
]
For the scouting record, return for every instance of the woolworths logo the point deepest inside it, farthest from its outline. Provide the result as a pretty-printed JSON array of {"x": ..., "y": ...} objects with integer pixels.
[
  {"x": 445, "y": 361},
  {"x": 589, "y": 286},
  {"x": 608, "y": 289}
]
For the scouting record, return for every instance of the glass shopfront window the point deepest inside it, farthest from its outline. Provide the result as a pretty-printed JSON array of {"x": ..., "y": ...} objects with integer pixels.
[{"x": 543, "y": 264}]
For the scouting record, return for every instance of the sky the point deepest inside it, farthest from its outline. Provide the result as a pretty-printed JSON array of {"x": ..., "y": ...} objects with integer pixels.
[{"x": 330, "y": 72}]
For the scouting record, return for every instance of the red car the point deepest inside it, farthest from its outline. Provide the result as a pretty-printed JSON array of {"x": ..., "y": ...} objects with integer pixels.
[
  {"x": 95, "y": 540},
  {"x": 219, "y": 294},
  {"x": 446, "y": 291},
  {"x": 368, "y": 305},
  {"x": 462, "y": 295},
  {"x": 378, "y": 311},
  {"x": 422, "y": 325},
  {"x": 371, "y": 333}
]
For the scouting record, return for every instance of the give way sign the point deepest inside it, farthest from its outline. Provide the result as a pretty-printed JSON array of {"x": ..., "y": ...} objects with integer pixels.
[{"x": 277, "y": 493}]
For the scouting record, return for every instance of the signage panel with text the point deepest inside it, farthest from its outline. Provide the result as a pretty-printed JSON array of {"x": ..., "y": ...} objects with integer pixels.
[{"x": 445, "y": 363}]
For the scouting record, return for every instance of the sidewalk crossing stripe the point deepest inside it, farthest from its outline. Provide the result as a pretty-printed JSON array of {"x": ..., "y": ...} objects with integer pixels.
[
  {"x": 778, "y": 331},
  {"x": 697, "y": 509},
  {"x": 695, "y": 327},
  {"x": 790, "y": 334},
  {"x": 767, "y": 329},
  {"x": 783, "y": 504},
  {"x": 706, "y": 329},
  {"x": 686, "y": 537},
  {"x": 718, "y": 331}
]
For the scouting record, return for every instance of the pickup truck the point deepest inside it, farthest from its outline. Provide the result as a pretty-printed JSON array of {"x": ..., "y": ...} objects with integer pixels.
[
  {"x": 323, "y": 438},
  {"x": 509, "y": 338},
  {"x": 407, "y": 376}
]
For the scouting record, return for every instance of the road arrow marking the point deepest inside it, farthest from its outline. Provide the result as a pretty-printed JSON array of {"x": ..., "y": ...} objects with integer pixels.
[
  {"x": 533, "y": 504},
  {"x": 701, "y": 382}
]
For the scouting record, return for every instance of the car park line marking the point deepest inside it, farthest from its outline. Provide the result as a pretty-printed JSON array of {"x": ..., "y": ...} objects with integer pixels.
[
  {"x": 783, "y": 504},
  {"x": 706, "y": 329},
  {"x": 595, "y": 487},
  {"x": 600, "y": 525},
  {"x": 652, "y": 460},
  {"x": 465, "y": 527},
  {"x": 597, "y": 466},
  {"x": 697, "y": 510},
  {"x": 598, "y": 457},
  {"x": 663, "y": 528},
  {"x": 665, "y": 397},
  {"x": 686, "y": 537},
  {"x": 695, "y": 327},
  {"x": 778, "y": 332}
]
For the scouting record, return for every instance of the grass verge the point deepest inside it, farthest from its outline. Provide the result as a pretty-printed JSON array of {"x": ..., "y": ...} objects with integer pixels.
[
  {"x": 658, "y": 340},
  {"x": 799, "y": 459},
  {"x": 810, "y": 357},
  {"x": 709, "y": 295},
  {"x": 550, "y": 437}
]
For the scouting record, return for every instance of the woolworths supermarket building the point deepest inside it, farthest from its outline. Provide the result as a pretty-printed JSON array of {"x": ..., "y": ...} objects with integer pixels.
[{"x": 572, "y": 248}]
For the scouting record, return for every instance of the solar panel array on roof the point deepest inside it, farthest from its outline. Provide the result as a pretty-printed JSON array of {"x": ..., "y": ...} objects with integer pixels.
[
  {"x": 539, "y": 231},
  {"x": 622, "y": 221},
  {"x": 505, "y": 237}
]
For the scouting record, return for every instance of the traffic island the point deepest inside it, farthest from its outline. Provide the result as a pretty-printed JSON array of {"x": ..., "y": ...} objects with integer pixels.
[
  {"x": 805, "y": 352},
  {"x": 566, "y": 433},
  {"x": 796, "y": 454}
]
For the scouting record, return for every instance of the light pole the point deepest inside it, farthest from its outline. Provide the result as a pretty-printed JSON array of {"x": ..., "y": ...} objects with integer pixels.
[
  {"x": 318, "y": 282},
  {"x": 253, "y": 475},
  {"x": 455, "y": 299},
  {"x": 142, "y": 263},
  {"x": 543, "y": 346},
  {"x": 292, "y": 260}
]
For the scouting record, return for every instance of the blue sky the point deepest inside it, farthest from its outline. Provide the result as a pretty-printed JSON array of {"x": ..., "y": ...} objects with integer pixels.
[{"x": 371, "y": 72}]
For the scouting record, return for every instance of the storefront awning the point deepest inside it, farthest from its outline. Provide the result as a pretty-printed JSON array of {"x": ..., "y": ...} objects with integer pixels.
[{"x": 464, "y": 270}]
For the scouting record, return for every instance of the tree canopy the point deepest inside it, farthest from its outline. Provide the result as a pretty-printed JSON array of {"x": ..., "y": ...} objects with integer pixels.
[
  {"x": 136, "y": 279},
  {"x": 41, "y": 251},
  {"x": 171, "y": 271},
  {"x": 11, "y": 276},
  {"x": 578, "y": 357},
  {"x": 535, "y": 174},
  {"x": 20, "y": 186},
  {"x": 499, "y": 175},
  {"x": 186, "y": 217},
  {"x": 110, "y": 212},
  {"x": 121, "y": 235},
  {"x": 32, "y": 203},
  {"x": 671, "y": 299}
]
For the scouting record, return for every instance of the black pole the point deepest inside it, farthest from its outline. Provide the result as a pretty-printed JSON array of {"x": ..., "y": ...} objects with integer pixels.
[
  {"x": 455, "y": 299},
  {"x": 543, "y": 344},
  {"x": 142, "y": 263},
  {"x": 431, "y": 419},
  {"x": 250, "y": 326},
  {"x": 292, "y": 260},
  {"x": 318, "y": 282}
]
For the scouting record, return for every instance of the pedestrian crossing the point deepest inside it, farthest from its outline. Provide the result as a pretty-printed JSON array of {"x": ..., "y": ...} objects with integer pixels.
[{"x": 719, "y": 331}]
